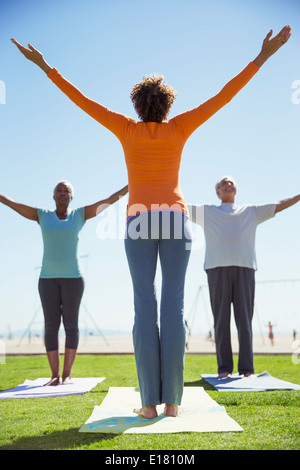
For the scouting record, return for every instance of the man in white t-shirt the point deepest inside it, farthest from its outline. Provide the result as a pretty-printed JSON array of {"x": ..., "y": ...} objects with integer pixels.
[{"x": 230, "y": 264}]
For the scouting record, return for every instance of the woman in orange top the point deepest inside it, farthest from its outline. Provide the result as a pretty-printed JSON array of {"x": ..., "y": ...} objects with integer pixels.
[{"x": 157, "y": 215}]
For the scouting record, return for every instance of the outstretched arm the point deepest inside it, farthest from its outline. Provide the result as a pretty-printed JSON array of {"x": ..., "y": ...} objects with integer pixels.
[
  {"x": 26, "y": 211},
  {"x": 285, "y": 203},
  {"x": 190, "y": 120},
  {"x": 115, "y": 122},
  {"x": 95, "y": 209},
  {"x": 269, "y": 47}
]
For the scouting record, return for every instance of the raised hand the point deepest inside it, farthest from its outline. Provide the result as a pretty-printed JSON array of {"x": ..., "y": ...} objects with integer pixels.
[
  {"x": 270, "y": 46},
  {"x": 33, "y": 55}
]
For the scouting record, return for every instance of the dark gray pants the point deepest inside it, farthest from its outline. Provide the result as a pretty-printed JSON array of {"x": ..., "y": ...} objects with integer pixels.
[
  {"x": 232, "y": 285},
  {"x": 60, "y": 298}
]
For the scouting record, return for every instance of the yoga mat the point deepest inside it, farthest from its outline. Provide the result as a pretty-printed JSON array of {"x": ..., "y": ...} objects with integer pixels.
[
  {"x": 258, "y": 383},
  {"x": 200, "y": 414},
  {"x": 36, "y": 388}
]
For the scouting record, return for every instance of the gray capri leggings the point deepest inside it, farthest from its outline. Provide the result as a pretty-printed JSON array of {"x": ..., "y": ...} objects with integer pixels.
[{"x": 60, "y": 298}]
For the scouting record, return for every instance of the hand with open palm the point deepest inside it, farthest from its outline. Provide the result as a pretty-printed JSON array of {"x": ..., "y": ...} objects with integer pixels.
[
  {"x": 34, "y": 55},
  {"x": 270, "y": 46}
]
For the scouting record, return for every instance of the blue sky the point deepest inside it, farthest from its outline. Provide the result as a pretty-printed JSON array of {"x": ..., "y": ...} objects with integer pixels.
[{"x": 104, "y": 48}]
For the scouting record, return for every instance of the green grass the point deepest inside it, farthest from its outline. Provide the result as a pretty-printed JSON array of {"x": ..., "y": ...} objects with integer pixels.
[{"x": 270, "y": 419}]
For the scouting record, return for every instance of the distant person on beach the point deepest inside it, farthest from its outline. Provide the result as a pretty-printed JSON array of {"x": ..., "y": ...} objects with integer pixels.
[
  {"x": 271, "y": 333},
  {"x": 61, "y": 283},
  {"x": 230, "y": 264},
  {"x": 294, "y": 335},
  {"x": 157, "y": 223}
]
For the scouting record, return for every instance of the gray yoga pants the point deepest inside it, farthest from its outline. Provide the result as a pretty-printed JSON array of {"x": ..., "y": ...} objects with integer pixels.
[
  {"x": 159, "y": 340},
  {"x": 232, "y": 285},
  {"x": 60, "y": 298}
]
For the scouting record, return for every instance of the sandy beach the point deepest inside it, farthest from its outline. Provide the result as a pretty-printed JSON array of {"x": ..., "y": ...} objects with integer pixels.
[{"x": 283, "y": 344}]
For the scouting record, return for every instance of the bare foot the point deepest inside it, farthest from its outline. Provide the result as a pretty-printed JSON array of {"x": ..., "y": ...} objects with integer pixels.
[
  {"x": 249, "y": 375},
  {"x": 148, "y": 412},
  {"x": 67, "y": 381},
  {"x": 172, "y": 410},
  {"x": 225, "y": 375},
  {"x": 54, "y": 381}
]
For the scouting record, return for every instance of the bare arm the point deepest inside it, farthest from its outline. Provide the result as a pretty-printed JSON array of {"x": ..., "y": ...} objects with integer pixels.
[
  {"x": 285, "y": 203},
  {"x": 270, "y": 46},
  {"x": 26, "y": 211},
  {"x": 95, "y": 209}
]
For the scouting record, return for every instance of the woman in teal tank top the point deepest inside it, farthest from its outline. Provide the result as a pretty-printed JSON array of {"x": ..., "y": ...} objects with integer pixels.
[{"x": 61, "y": 283}]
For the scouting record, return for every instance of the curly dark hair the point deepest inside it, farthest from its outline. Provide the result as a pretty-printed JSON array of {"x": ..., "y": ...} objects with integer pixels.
[{"x": 152, "y": 98}]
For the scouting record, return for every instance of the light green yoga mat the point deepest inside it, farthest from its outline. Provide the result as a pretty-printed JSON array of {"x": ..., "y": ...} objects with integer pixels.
[{"x": 200, "y": 414}]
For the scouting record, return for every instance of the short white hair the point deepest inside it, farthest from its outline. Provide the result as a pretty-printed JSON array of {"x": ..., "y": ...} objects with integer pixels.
[
  {"x": 222, "y": 179},
  {"x": 66, "y": 183}
]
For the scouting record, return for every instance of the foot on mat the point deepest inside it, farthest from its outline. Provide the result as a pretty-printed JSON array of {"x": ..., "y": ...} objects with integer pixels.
[
  {"x": 172, "y": 410},
  {"x": 67, "y": 381},
  {"x": 225, "y": 375},
  {"x": 52, "y": 382},
  {"x": 148, "y": 412}
]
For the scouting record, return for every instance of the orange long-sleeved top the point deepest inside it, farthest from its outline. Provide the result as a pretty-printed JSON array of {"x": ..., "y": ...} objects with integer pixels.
[{"x": 153, "y": 150}]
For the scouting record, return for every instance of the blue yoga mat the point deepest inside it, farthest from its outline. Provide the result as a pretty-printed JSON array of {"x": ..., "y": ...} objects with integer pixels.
[{"x": 258, "y": 383}]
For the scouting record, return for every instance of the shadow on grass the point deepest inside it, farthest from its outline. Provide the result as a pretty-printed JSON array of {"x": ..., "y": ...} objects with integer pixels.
[
  {"x": 200, "y": 383},
  {"x": 64, "y": 440}
]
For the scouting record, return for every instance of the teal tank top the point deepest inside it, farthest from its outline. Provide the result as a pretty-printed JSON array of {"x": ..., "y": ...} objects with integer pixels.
[{"x": 60, "y": 238}]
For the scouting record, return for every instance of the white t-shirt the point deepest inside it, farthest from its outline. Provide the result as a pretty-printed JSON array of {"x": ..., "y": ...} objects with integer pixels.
[{"x": 229, "y": 231}]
